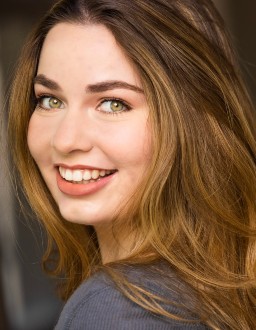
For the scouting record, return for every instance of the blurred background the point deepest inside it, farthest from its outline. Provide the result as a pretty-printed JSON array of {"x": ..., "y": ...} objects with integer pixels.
[{"x": 27, "y": 297}]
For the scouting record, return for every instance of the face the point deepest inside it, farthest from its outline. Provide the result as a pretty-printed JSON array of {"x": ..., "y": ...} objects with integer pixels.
[{"x": 89, "y": 131}]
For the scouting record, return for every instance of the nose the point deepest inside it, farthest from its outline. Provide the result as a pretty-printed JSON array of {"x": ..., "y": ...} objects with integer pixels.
[{"x": 72, "y": 133}]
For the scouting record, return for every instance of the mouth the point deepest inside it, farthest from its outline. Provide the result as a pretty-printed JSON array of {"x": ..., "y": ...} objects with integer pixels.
[{"x": 84, "y": 176}]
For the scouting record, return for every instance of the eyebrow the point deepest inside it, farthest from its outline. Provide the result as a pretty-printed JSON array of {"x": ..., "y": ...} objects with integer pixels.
[
  {"x": 92, "y": 88},
  {"x": 111, "y": 84},
  {"x": 41, "y": 79}
]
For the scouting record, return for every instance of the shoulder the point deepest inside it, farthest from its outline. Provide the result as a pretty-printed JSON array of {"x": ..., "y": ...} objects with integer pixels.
[{"x": 97, "y": 304}]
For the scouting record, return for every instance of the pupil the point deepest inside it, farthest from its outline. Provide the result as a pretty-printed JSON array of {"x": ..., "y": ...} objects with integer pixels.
[
  {"x": 54, "y": 102},
  {"x": 116, "y": 106}
]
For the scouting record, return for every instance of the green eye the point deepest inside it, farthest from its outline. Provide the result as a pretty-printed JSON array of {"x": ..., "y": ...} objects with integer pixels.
[
  {"x": 54, "y": 103},
  {"x": 49, "y": 102},
  {"x": 116, "y": 106},
  {"x": 113, "y": 106}
]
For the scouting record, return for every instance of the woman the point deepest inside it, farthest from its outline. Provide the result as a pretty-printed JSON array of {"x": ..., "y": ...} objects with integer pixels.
[{"x": 134, "y": 138}]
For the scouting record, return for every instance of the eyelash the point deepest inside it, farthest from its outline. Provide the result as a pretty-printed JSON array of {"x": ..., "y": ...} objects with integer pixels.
[
  {"x": 113, "y": 99},
  {"x": 40, "y": 97}
]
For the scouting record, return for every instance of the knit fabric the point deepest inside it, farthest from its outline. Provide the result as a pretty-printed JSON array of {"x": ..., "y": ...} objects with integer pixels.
[{"x": 98, "y": 305}]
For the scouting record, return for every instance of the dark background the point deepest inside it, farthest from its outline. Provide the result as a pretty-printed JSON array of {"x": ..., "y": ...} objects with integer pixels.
[{"x": 27, "y": 297}]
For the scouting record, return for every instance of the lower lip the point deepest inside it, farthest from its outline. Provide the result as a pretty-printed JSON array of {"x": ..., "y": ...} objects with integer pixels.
[{"x": 80, "y": 189}]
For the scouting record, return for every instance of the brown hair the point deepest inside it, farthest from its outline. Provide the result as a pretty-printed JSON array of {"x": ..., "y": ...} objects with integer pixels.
[{"x": 196, "y": 206}]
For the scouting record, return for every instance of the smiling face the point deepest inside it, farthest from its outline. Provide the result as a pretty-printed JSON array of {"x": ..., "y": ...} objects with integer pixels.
[{"x": 89, "y": 132}]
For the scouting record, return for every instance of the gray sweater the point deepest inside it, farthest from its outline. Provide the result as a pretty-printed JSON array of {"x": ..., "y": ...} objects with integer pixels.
[{"x": 98, "y": 305}]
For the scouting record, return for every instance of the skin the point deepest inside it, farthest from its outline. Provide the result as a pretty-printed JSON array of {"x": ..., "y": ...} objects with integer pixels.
[{"x": 72, "y": 125}]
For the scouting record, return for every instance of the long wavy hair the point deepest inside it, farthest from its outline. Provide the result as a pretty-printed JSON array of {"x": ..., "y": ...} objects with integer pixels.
[{"x": 196, "y": 205}]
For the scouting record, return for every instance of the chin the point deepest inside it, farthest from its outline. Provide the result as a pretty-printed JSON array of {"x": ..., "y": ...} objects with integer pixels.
[{"x": 85, "y": 219}]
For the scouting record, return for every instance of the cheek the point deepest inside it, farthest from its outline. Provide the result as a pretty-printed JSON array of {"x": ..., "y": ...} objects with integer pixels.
[
  {"x": 37, "y": 139},
  {"x": 131, "y": 145}
]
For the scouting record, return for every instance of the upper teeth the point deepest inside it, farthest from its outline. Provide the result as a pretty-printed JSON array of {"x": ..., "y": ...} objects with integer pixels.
[{"x": 80, "y": 175}]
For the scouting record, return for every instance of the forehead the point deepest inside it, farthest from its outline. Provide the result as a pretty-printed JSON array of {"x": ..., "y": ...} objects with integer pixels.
[{"x": 84, "y": 50}]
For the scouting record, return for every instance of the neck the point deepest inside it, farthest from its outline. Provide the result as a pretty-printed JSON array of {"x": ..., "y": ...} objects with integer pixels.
[{"x": 113, "y": 246}]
